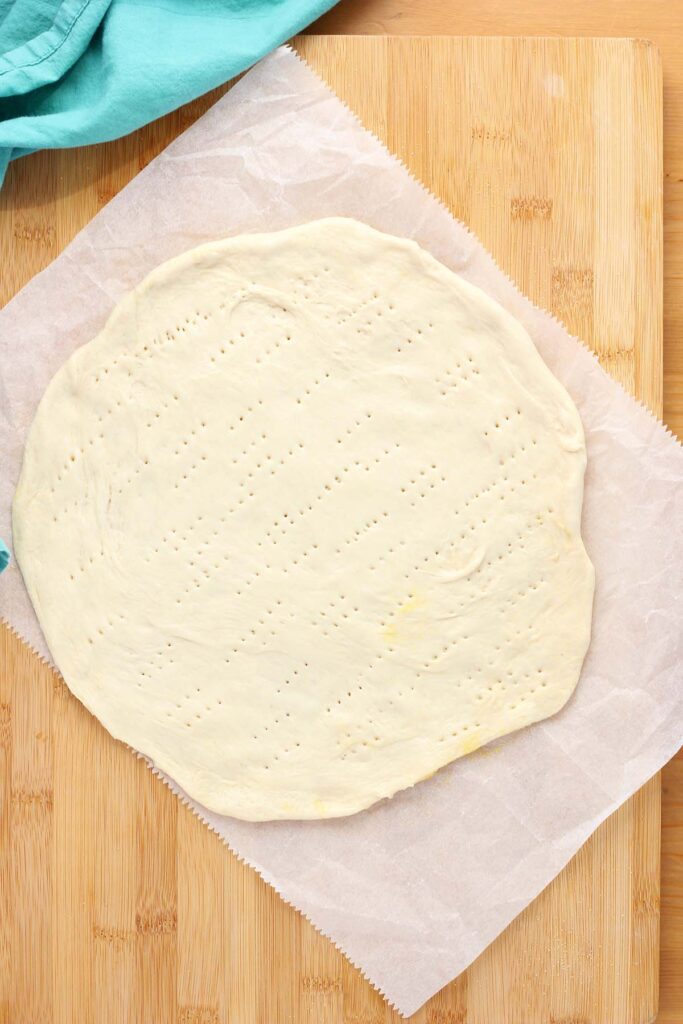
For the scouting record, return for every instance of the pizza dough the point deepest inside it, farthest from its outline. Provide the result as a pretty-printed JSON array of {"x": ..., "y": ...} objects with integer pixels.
[{"x": 302, "y": 524}]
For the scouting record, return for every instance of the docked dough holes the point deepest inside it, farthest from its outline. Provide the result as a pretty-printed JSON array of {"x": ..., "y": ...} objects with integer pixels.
[{"x": 302, "y": 524}]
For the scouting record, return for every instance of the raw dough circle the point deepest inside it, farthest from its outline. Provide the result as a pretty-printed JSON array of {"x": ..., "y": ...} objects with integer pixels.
[{"x": 302, "y": 524}]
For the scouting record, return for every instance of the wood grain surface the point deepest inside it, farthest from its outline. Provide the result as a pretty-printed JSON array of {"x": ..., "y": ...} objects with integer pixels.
[
  {"x": 661, "y": 22},
  {"x": 115, "y": 903}
]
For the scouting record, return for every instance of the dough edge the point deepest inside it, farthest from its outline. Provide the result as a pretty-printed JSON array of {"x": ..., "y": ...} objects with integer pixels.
[{"x": 221, "y": 798}]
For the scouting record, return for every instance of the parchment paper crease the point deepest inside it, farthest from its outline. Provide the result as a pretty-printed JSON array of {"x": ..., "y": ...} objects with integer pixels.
[{"x": 414, "y": 889}]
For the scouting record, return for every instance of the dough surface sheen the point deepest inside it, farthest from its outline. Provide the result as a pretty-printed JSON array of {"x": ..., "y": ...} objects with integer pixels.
[{"x": 302, "y": 523}]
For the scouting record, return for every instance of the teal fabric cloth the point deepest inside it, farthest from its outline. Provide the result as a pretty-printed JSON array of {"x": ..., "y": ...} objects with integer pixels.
[
  {"x": 74, "y": 72},
  {"x": 4, "y": 556}
]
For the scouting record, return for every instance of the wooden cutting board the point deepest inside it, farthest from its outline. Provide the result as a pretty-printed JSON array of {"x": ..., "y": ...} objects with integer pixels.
[{"x": 115, "y": 903}]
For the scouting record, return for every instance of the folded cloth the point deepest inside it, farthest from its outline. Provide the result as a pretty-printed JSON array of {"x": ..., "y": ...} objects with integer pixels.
[{"x": 74, "y": 72}]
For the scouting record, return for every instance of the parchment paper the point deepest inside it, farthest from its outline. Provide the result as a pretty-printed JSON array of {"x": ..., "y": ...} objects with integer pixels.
[{"x": 414, "y": 889}]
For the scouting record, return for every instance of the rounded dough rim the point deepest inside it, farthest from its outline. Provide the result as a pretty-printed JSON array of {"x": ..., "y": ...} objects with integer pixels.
[{"x": 221, "y": 799}]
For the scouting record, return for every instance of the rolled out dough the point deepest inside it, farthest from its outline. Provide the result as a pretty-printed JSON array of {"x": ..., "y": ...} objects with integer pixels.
[{"x": 302, "y": 524}]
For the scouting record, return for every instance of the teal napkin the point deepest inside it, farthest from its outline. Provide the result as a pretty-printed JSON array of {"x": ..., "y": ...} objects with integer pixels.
[{"x": 79, "y": 71}]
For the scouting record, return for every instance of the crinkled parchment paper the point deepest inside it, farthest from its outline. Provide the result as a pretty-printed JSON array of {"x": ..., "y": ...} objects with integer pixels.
[{"x": 413, "y": 889}]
